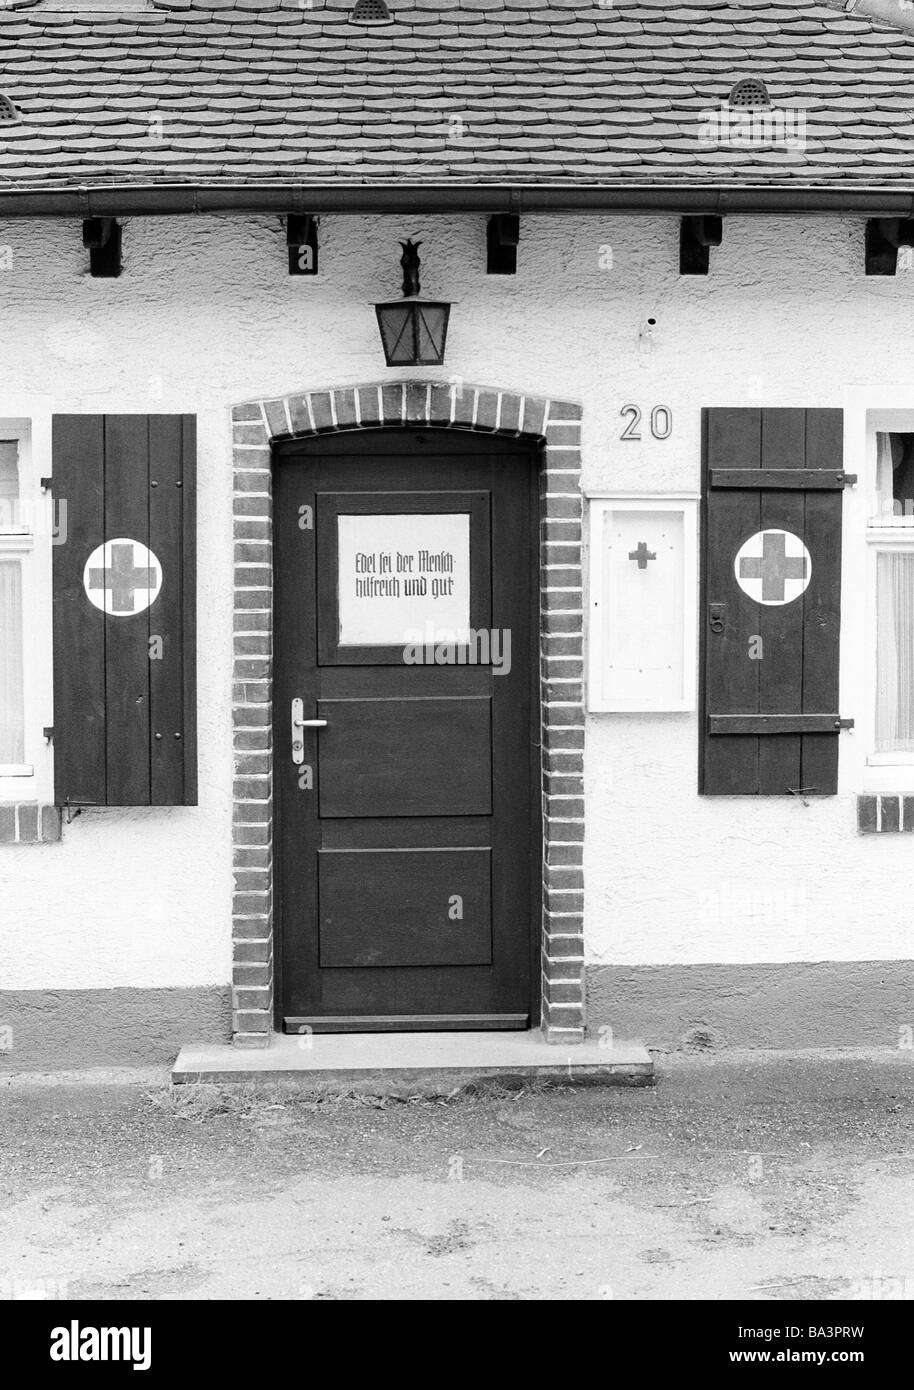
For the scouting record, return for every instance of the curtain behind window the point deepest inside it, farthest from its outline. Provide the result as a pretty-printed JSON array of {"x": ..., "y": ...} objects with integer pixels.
[
  {"x": 9, "y": 482},
  {"x": 895, "y": 652},
  {"x": 12, "y": 712}
]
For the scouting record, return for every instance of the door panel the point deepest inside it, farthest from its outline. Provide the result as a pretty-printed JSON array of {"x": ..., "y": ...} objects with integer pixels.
[
  {"x": 408, "y": 837},
  {"x": 405, "y": 907},
  {"x": 406, "y": 757}
]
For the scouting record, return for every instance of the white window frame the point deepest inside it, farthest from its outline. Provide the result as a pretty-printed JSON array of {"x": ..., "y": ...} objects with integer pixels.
[
  {"x": 868, "y": 411},
  {"x": 686, "y": 505},
  {"x": 30, "y": 543}
]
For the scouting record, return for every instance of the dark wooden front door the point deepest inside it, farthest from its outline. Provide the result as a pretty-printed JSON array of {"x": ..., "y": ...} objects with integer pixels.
[{"x": 408, "y": 842}]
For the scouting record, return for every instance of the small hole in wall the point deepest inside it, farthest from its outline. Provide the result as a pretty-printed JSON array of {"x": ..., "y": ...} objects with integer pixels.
[{"x": 651, "y": 322}]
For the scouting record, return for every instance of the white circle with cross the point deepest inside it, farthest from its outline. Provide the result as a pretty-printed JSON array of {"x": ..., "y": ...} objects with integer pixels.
[
  {"x": 773, "y": 567},
  {"x": 122, "y": 577}
]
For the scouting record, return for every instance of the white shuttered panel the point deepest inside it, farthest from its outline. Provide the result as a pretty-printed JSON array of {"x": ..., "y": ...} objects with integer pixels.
[{"x": 642, "y": 604}]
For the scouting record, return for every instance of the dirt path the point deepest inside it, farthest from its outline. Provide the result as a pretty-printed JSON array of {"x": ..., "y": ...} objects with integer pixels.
[{"x": 760, "y": 1178}]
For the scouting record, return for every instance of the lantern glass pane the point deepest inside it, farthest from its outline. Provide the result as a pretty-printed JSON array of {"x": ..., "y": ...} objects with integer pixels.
[
  {"x": 431, "y": 329},
  {"x": 396, "y": 324}
]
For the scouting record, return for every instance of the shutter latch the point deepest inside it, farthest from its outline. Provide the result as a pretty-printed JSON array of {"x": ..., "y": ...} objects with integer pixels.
[
  {"x": 844, "y": 723},
  {"x": 847, "y": 479}
]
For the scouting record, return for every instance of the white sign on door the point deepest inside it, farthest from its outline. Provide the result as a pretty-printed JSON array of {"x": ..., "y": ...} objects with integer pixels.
[{"x": 404, "y": 579}]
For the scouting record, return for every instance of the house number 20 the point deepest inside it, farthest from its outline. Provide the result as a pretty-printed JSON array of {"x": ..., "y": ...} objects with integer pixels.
[{"x": 661, "y": 422}]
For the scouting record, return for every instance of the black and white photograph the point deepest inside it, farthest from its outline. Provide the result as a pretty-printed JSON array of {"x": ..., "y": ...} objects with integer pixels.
[{"x": 456, "y": 672}]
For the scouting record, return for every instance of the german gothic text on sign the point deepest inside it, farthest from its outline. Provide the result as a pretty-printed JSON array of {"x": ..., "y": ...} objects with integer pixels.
[
  {"x": 122, "y": 577},
  {"x": 404, "y": 579},
  {"x": 773, "y": 567}
]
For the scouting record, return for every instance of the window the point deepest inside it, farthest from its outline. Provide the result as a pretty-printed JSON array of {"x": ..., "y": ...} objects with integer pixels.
[
  {"x": 890, "y": 542},
  {"x": 16, "y": 545}
]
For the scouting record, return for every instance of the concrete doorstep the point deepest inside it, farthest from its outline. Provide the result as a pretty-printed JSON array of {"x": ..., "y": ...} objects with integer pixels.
[{"x": 422, "y": 1058}]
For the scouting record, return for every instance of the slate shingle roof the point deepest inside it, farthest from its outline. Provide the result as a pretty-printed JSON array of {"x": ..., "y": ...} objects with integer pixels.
[{"x": 527, "y": 92}]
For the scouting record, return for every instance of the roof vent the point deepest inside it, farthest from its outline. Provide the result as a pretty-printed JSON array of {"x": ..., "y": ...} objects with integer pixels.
[
  {"x": 8, "y": 113},
  {"x": 751, "y": 91},
  {"x": 370, "y": 12}
]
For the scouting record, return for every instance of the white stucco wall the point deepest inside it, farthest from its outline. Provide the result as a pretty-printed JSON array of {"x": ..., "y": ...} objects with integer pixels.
[{"x": 205, "y": 316}]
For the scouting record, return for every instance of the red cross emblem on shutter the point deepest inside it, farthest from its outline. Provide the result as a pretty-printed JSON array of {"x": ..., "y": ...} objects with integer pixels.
[
  {"x": 773, "y": 567},
  {"x": 122, "y": 577}
]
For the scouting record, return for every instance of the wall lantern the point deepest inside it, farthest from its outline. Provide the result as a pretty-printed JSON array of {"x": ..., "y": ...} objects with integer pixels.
[{"x": 413, "y": 330}]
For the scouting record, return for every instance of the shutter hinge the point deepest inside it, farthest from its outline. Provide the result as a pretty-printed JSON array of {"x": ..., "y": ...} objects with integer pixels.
[
  {"x": 75, "y": 808},
  {"x": 848, "y": 479},
  {"x": 46, "y": 484},
  {"x": 844, "y": 723}
]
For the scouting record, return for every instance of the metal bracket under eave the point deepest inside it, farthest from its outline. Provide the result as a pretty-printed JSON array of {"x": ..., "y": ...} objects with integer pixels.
[
  {"x": 884, "y": 236},
  {"x": 502, "y": 237},
  {"x": 696, "y": 236},
  {"x": 301, "y": 239},
  {"x": 102, "y": 239}
]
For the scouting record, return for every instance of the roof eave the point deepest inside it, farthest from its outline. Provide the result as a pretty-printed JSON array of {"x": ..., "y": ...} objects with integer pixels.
[{"x": 124, "y": 200}]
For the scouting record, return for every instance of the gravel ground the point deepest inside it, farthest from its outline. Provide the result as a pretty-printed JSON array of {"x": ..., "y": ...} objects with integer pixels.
[{"x": 754, "y": 1176}]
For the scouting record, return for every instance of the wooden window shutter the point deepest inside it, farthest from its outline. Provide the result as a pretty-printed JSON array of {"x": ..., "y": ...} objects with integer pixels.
[
  {"x": 125, "y": 679},
  {"x": 772, "y": 492}
]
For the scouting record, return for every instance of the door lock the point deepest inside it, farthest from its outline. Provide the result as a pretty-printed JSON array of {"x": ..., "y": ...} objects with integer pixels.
[{"x": 299, "y": 722}]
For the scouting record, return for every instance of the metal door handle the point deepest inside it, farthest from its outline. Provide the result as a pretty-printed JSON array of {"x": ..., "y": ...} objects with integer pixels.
[{"x": 299, "y": 722}]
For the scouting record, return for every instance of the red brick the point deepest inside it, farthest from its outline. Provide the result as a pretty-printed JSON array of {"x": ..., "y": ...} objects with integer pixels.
[
  {"x": 246, "y": 975},
  {"x": 298, "y": 411},
  {"x": 255, "y": 998},
  {"x": 276, "y": 418},
  {"x": 250, "y": 434},
  {"x": 253, "y": 929},
  {"x": 344, "y": 404},
  {"x": 252, "y": 834},
  {"x": 251, "y": 880},
  {"x": 534, "y": 415},
  {"x": 416, "y": 397},
  {"x": 510, "y": 413},
  {"x": 252, "y": 1020},
  {"x": 252, "y": 952},
  {"x": 440, "y": 405},
  {"x": 321, "y": 411},
  {"x": 254, "y": 506},
  {"x": 252, "y": 857},
  {"x": 392, "y": 404},
  {"x": 28, "y": 823},
  {"x": 486, "y": 410},
  {"x": 369, "y": 412}
]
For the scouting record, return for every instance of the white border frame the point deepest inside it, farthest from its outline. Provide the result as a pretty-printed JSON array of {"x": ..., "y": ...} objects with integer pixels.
[
  {"x": 34, "y": 779},
  {"x": 866, "y": 410},
  {"x": 686, "y": 505}
]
